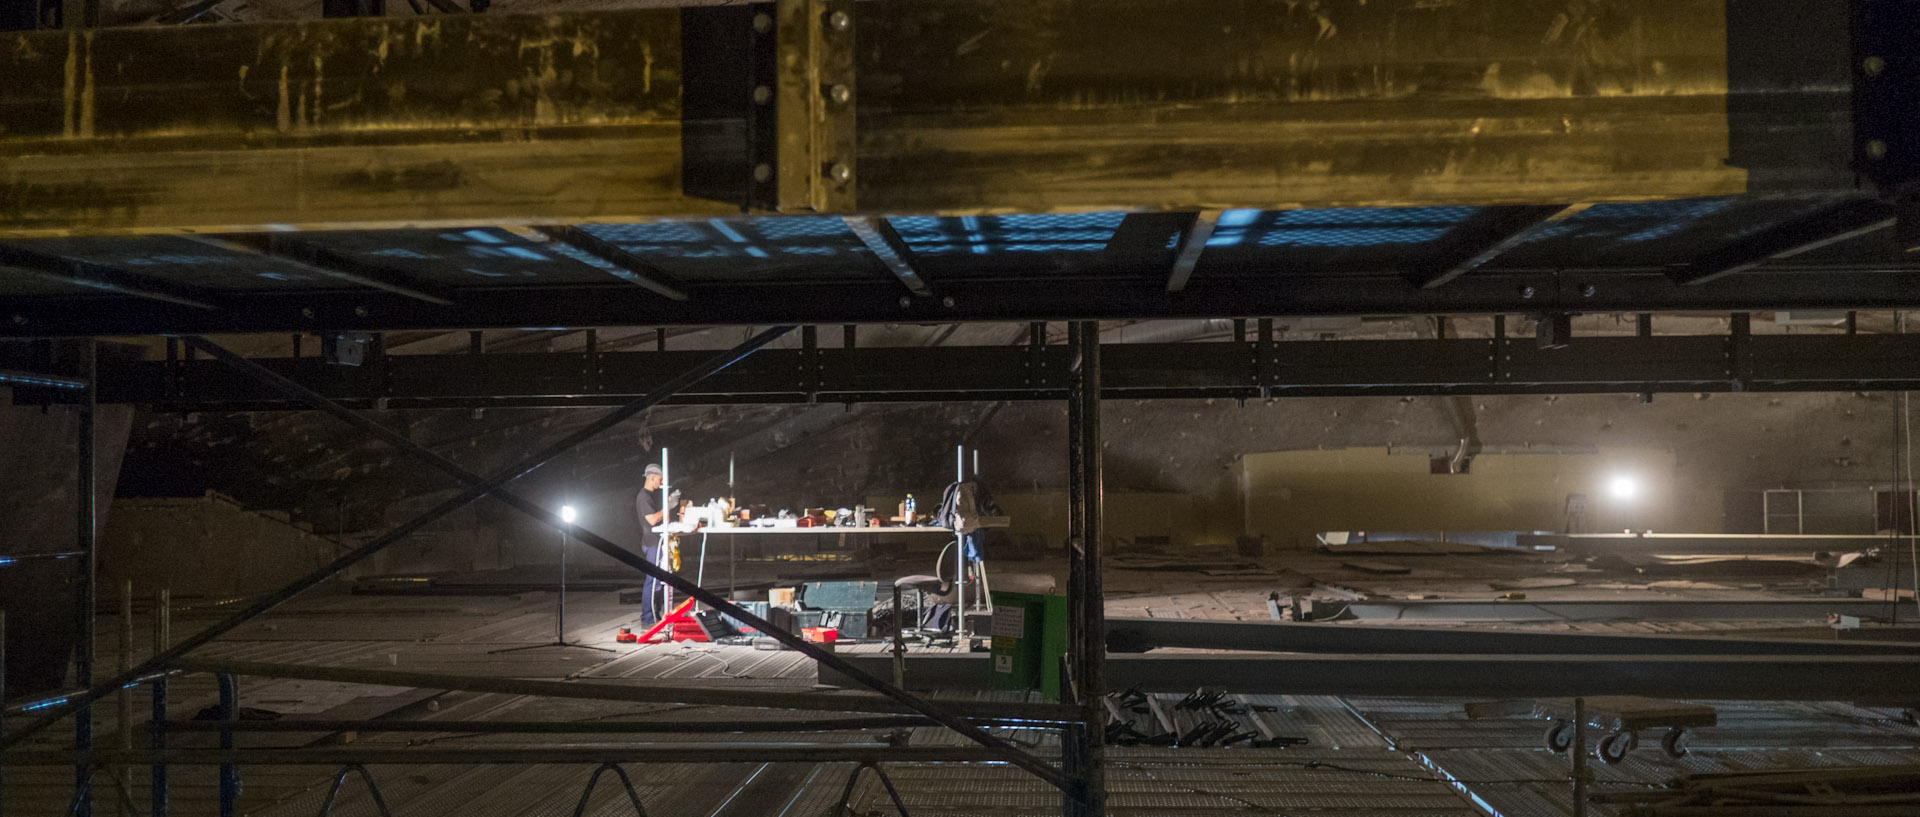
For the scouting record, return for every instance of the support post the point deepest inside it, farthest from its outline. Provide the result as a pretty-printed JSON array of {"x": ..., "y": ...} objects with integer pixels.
[
  {"x": 123, "y": 727},
  {"x": 1580, "y": 771},
  {"x": 84, "y": 588},
  {"x": 3, "y": 708},
  {"x": 1084, "y": 748},
  {"x": 162, "y": 636},
  {"x": 229, "y": 773}
]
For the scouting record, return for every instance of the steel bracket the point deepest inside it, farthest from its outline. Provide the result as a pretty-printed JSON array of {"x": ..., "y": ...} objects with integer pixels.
[{"x": 802, "y": 138}]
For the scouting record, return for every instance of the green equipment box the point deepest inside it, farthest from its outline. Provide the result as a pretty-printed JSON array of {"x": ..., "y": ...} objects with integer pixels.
[{"x": 1029, "y": 638}]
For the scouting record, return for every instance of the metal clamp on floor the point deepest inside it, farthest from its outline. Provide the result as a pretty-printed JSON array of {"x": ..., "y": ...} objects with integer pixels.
[
  {"x": 625, "y": 782},
  {"x": 326, "y": 806},
  {"x": 846, "y": 797}
]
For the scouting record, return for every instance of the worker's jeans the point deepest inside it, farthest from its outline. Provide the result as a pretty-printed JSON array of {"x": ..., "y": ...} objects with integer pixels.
[{"x": 650, "y": 603}]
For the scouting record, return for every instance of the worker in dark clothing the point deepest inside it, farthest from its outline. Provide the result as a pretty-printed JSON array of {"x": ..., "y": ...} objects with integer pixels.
[{"x": 653, "y": 512}]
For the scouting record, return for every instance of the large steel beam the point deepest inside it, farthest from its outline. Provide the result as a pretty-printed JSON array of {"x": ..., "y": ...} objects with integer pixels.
[
  {"x": 1223, "y": 292},
  {"x": 1210, "y": 369},
  {"x": 976, "y": 105},
  {"x": 1874, "y": 678},
  {"x": 490, "y": 485},
  {"x": 493, "y": 486},
  {"x": 1142, "y": 634},
  {"x": 1595, "y": 544}
]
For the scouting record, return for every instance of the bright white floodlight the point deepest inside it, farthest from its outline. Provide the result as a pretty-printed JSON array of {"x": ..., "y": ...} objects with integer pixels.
[
  {"x": 567, "y": 514},
  {"x": 1624, "y": 487}
]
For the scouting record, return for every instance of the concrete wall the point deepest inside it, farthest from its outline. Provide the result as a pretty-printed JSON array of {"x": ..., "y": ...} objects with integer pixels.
[
  {"x": 1291, "y": 495},
  {"x": 206, "y": 547}
]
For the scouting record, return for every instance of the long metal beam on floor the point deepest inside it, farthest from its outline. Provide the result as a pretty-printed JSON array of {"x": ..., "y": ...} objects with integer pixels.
[
  {"x": 1142, "y": 634},
  {"x": 1887, "y": 679},
  {"x": 1597, "y": 544},
  {"x": 1614, "y": 610},
  {"x": 1148, "y": 104},
  {"x": 1220, "y": 369}
]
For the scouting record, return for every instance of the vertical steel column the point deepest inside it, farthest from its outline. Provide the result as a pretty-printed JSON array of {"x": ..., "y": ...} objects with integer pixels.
[
  {"x": 162, "y": 636},
  {"x": 3, "y": 708},
  {"x": 124, "y": 728},
  {"x": 1580, "y": 771},
  {"x": 1085, "y": 747},
  {"x": 83, "y": 521},
  {"x": 229, "y": 773}
]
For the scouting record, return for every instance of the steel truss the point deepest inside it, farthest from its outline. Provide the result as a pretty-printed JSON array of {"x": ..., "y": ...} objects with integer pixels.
[{"x": 1253, "y": 368}]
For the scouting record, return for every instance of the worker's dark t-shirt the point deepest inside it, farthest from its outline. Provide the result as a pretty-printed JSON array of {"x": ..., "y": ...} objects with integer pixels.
[{"x": 646, "y": 505}]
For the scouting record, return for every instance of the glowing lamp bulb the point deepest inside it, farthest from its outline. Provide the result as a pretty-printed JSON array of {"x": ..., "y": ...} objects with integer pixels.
[
  {"x": 1624, "y": 487},
  {"x": 567, "y": 514}
]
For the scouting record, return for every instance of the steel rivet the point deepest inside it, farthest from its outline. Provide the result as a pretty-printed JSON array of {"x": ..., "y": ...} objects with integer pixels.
[
  {"x": 840, "y": 172},
  {"x": 947, "y": 301},
  {"x": 1587, "y": 290},
  {"x": 840, "y": 94},
  {"x": 905, "y": 302},
  {"x": 1877, "y": 149},
  {"x": 762, "y": 95},
  {"x": 1526, "y": 292},
  {"x": 19, "y": 318},
  {"x": 762, "y": 172},
  {"x": 762, "y": 23},
  {"x": 306, "y": 311},
  {"x": 1873, "y": 66},
  {"x": 839, "y": 21},
  {"x": 360, "y": 311}
]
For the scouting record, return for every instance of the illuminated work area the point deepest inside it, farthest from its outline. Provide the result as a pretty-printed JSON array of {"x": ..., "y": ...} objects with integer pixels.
[{"x": 958, "y": 408}]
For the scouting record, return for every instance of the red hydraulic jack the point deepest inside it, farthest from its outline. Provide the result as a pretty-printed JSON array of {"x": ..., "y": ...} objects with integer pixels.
[{"x": 684, "y": 628}]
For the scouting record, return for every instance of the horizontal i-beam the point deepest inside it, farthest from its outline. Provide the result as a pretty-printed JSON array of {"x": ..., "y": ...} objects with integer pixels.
[
  {"x": 1842, "y": 222},
  {"x": 1603, "y": 610},
  {"x": 1141, "y": 634}
]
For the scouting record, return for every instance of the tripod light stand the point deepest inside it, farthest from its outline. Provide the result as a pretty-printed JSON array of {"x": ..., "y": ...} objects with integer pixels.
[{"x": 567, "y": 515}]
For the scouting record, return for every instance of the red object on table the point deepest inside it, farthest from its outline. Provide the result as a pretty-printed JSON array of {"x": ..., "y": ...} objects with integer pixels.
[{"x": 825, "y": 635}]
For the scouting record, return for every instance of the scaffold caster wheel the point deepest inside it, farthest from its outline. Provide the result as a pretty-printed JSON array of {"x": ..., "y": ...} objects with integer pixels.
[
  {"x": 1559, "y": 736},
  {"x": 1670, "y": 743},
  {"x": 1614, "y": 748}
]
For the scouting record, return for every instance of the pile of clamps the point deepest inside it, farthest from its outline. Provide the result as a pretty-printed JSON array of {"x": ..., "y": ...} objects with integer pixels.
[{"x": 1201, "y": 719}]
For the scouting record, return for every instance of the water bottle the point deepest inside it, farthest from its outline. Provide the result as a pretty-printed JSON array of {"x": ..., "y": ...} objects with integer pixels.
[{"x": 910, "y": 515}]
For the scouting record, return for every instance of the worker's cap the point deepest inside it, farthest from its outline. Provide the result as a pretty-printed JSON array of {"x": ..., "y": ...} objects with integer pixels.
[{"x": 653, "y": 470}]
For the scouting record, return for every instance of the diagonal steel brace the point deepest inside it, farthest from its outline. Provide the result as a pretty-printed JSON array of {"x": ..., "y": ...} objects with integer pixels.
[
  {"x": 939, "y": 714},
  {"x": 482, "y": 488}
]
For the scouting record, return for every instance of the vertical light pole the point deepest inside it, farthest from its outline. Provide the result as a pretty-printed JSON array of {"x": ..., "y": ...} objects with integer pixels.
[{"x": 567, "y": 515}]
